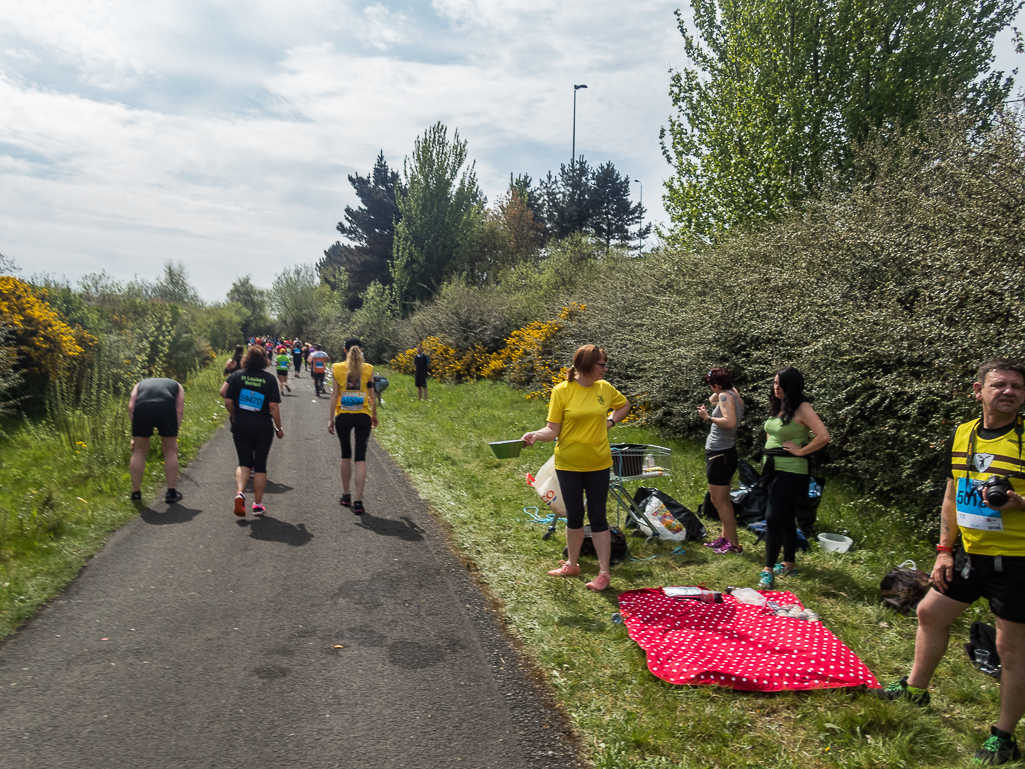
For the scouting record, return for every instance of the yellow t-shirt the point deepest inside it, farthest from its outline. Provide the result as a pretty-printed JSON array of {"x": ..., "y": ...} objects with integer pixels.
[
  {"x": 583, "y": 444},
  {"x": 352, "y": 401}
]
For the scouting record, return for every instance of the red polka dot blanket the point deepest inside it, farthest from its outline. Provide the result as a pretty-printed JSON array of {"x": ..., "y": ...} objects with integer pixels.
[{"x": 738, "y": 645}]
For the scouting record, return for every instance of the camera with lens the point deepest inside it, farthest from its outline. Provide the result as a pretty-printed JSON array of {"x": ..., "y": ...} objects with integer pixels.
[{"x": 998, "y": 486}]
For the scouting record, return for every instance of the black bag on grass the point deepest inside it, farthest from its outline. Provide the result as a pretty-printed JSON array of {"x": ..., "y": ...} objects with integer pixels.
[
  {"x": 984, "y": 637},
  {"x": 619, "y": 548},
  {"x": 691, "y": 524}
]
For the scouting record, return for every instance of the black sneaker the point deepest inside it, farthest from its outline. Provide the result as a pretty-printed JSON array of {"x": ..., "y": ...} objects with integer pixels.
[
  {"x": 998, "y": 749},
  {"x": 137, "y": 496},
  {"x": 172, "y": 496},
  {"x": 898, "y": 690},
  {"x": 346, "y": 500},
  {"x": 357, "y": 507}
]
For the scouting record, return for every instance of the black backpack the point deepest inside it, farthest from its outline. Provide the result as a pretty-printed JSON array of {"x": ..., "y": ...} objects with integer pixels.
[{"x": 619, "y": 548}]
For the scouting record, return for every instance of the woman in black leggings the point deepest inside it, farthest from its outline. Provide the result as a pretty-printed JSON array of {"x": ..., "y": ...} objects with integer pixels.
[
  {"x": 353, "y": 409},
  {"x": 252, "y": 398},
  {"x": 792, "y": 432},
  {"x": 578, "y": 415}
]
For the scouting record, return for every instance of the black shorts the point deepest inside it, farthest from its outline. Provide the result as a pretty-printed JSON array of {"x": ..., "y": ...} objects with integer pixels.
[
  {"x": 362, "y": 424},
  {"x": 721, "y": 465},
  {"x": 252, "y": 443},
  {"x": 1004, "y": 589},
  {"x": 162, "y": 417},
  {"x": 421, "y": 381}
]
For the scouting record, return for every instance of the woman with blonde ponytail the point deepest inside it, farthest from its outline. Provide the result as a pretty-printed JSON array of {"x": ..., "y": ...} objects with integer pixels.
[
  {"x": 353, "y": 407},
  {"x": 578, "y": 415}
]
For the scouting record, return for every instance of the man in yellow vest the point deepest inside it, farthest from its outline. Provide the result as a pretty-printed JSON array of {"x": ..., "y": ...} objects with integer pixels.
[{"x": 990, "y": 558}]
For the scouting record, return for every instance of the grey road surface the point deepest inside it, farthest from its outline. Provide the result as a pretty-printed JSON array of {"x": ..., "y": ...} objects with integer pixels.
[{"x": 310, "y": 638}]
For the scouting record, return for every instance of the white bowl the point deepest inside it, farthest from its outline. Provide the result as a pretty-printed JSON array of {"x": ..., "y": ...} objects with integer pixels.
[{"x": 835, "y": 543}]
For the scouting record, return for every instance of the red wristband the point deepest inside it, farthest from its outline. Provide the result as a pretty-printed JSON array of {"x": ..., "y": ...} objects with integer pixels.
[{"x": 944, "y": 549}]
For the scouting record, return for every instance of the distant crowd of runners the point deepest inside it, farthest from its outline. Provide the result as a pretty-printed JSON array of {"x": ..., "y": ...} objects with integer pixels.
[{"x": 252, "y": 397}]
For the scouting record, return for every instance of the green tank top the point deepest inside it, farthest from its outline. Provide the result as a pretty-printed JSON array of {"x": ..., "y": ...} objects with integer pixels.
[{"x": 777, "y": 434}]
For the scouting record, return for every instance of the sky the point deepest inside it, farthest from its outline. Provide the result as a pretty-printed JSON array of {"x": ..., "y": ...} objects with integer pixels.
[{"x": 220, "y": 134}]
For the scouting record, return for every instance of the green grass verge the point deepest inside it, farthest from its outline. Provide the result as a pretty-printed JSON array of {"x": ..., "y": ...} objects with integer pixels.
[
  {"x": 66, "y": 490},
  {"x": 627, "y": 717}
]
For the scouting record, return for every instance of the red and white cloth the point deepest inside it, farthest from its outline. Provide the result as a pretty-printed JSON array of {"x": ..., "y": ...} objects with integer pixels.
[{"x": 738, "y": 645}]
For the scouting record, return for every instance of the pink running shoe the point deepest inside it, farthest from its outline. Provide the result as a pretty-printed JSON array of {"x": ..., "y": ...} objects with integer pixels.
[
  {"x": 599, "y": 583},
  {"x": 729, "y": 548},
  {"x": 567, "y": 569},
  {"x": 258, "y": 509},
  {"x": 240, "y": 505},
  {"x": 716, "y": 543}
]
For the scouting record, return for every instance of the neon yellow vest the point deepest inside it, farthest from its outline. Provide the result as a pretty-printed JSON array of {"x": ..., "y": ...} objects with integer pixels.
[{"x": 983, "y": 530}]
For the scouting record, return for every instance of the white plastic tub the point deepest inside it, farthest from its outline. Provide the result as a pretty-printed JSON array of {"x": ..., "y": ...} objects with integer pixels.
[{"x": 835, "y": 543}]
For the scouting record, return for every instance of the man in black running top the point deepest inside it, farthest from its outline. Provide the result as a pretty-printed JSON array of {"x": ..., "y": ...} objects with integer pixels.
[{"x": 156, "y": 404}]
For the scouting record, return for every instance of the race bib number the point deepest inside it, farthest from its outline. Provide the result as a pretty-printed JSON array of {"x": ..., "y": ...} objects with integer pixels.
[
  {"x": 250, "y": 400},
  {"x": 352, "y": 400},
  {"x": 972, "y": 513}
]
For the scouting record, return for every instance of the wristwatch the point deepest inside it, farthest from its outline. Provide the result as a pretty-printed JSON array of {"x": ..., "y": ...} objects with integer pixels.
[{"x": 610, "y": 419}]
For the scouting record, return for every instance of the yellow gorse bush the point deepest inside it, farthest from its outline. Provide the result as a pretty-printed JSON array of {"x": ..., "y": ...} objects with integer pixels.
[
  {"x": 527, "y": 360},
  {"x": 44, "y": 341}
]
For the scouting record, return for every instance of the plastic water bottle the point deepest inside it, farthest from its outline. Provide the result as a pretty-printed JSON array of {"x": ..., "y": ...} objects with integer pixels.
[
  {"x": 694, "y": 593},
  {"x": 649, "y": 464}
]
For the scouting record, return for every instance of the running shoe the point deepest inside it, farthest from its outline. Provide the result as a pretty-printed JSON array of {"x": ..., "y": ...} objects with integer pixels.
[
  {"x": 715, "y": 544},
  {"x": 898, "y": 690},
  {"x": 566, "y": 569},
  {"x": 346, "y": 500},
  {"x": 287, "y": 388},
  {"x": 137, "y": 496},
  {"x": 258, "y": 509},
  {"x": 728, "y": 547},
  {"x": 998, "y": 749},
  {"x": 172, "y": 496},
  {"x": 240, "y": 505},
  {"x": 599, "y": 583},
  {"x": 766, "y": 581},
  {"x": 357, "y": 507},
  {"x": 781, "y": 570},
  {"x": 252, "y": 473}
]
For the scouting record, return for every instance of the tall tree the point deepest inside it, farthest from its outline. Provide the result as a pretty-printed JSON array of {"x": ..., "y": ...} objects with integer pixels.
[
  {"x": 253, "y": 300},
  {"x": 781, "y": 92},
  {"x": 592, "y": 201},
  {"x": 370, "y": 230},
  {"x": 440, "y": 211},
  {"x": 298, "y": 299},
  {"x": 173, "y": 286}
]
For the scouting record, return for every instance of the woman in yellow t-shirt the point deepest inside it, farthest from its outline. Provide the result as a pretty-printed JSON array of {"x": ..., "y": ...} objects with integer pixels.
[
  {"x": 353, "y": 408},
  {"x": 578, "y": 415}
]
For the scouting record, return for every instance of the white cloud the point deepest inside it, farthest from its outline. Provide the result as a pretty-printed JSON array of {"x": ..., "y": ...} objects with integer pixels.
[{"x": 383, "y": 29}]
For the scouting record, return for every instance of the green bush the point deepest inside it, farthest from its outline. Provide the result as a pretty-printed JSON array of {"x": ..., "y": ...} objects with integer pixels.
[{"x": 887, "y": 299}]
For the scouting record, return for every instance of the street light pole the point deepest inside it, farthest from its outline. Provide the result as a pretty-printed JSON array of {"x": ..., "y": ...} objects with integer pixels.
[
  {"x": 640, "y": 238},
  {"x": 573, "y": 159}
]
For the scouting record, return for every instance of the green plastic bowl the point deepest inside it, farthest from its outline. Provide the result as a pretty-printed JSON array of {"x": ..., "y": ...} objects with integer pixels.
[{"x": 507, "y": 449}]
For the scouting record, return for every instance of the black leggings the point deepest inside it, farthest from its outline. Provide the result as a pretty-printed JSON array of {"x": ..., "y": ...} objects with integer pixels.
[
  {"x": 781, "y": 515},
  {"x": 362, "y": 424},
  {"x": 297, "y": 360},
  {"x": 252, "y": 444},
  {"x": 574, "y": 486}
]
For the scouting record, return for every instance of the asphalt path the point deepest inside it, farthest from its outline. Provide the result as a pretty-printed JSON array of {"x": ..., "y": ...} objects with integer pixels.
[{"x": 309, "y": 638}]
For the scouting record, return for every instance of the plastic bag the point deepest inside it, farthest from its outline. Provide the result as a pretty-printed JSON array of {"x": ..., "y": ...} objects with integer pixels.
[
  {"x": 546, "y": 484},
  {"x": 904, "y": 587}
]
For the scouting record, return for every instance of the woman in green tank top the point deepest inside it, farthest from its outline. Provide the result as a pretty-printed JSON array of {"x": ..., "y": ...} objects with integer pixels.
[{"x": 792, "y": 432}]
